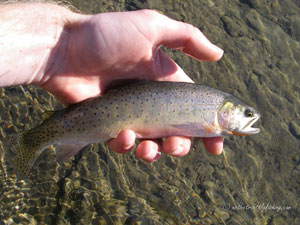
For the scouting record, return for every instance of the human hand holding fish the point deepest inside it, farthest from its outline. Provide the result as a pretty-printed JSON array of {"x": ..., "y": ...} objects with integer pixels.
[{"x": 77, "y": 57}]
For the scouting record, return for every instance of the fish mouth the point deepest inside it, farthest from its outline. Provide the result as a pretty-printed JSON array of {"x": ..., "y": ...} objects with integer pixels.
[{"x": 248, "y": 129}]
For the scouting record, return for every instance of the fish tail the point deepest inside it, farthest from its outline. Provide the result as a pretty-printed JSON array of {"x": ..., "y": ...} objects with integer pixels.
[{"x": 24, "y": 157}]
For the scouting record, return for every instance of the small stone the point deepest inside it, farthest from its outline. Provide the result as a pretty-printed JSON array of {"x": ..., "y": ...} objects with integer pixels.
[{"x": 294, "y": 129}]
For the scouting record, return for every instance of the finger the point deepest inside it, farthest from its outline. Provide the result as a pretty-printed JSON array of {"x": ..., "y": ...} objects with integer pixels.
[
  {"x": 124, "y": 141},
  {"x": 148, "y": 151},
  {"x": 177, "y": 146},
  {"x": 189, "y": 39},
  {"x": 213, "y": 145}
]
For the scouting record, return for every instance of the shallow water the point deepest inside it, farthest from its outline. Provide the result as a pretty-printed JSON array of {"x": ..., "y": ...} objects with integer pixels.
[{"x": 256, "y": 180}]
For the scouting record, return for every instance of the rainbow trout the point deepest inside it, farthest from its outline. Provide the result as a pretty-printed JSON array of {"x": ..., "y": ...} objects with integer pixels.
[{"x": 151, "y": 109}]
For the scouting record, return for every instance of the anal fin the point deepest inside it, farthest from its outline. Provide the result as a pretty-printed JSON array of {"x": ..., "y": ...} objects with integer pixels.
[{"x": 66, "y": 151}]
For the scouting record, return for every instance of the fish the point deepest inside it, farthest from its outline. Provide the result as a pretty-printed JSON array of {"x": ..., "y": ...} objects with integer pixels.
[{"x": 152, "y": 109}]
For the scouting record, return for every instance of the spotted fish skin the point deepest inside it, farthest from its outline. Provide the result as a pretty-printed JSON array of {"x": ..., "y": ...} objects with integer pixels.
[{"x": 151, "y": 109}]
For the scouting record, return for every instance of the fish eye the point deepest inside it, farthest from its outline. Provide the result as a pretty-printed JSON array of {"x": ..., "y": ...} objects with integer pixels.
[{"x": 249, "y": 113}]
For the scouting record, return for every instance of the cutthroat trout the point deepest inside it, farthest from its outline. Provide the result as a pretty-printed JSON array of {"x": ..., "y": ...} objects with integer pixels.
[{"x": 151, "y": 109}]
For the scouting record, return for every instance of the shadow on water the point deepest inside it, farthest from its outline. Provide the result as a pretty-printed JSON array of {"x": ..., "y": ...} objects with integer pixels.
[{"x": 256, "y": 180}]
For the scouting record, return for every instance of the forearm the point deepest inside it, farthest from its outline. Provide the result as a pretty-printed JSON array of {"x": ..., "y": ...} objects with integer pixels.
[{"x": 31, "y": 41}]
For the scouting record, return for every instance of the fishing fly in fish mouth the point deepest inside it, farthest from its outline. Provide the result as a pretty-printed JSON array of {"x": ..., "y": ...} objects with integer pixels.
[{"x": 151, "y": 109}]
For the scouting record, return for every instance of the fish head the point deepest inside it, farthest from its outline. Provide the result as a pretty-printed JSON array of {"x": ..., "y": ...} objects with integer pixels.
[{"x": 235, "y": 117}]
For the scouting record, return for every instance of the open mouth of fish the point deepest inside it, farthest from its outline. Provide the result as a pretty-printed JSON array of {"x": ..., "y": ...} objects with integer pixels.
[{"x": 249, "y": 129}]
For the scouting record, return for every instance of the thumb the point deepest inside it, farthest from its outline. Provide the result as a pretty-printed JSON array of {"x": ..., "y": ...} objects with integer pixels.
[{"x": 189, "y": 39}]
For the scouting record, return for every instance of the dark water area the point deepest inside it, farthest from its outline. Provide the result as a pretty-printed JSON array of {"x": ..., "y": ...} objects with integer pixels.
[{"x": 255, "y": 181}]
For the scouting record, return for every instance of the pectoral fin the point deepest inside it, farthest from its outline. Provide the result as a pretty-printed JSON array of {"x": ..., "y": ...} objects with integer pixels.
[
  {"x": 189, "y": 129},
  {"x": 198, "y": 129},
  {"x": 66, "y": 151}
]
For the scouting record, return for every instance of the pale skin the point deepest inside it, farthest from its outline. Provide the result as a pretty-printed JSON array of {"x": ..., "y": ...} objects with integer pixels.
[{"x": 77, "y": 56}]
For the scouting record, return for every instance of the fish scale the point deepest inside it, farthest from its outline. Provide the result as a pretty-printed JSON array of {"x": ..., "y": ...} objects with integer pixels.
[{"x": 151, "y": 109}]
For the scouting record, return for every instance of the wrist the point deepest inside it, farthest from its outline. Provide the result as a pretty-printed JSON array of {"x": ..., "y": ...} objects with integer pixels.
[{"x": 32, "y": 41}]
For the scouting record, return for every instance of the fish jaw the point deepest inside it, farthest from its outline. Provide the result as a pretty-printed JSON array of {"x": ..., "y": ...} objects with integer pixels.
[{"x": 248, "y": 129}]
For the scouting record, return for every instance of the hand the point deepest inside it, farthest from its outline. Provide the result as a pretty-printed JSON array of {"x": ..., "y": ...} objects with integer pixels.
[{"x": 110, "y": 46}]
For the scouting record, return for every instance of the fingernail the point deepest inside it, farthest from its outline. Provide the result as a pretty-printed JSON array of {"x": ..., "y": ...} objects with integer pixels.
[
  {"x": 128, "y": 146},
  {"x": 212, "y": 46},
  {"x": 178, "y": 148},
  {"x": 177, "y": 151},
  {"x": 217, "y": 49},
  {"x": 153, "y": 151},
  {"x": 158, "y": 155}
]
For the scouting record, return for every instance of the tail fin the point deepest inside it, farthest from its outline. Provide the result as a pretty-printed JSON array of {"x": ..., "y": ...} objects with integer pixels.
[{"x": 24, "y": 157}]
